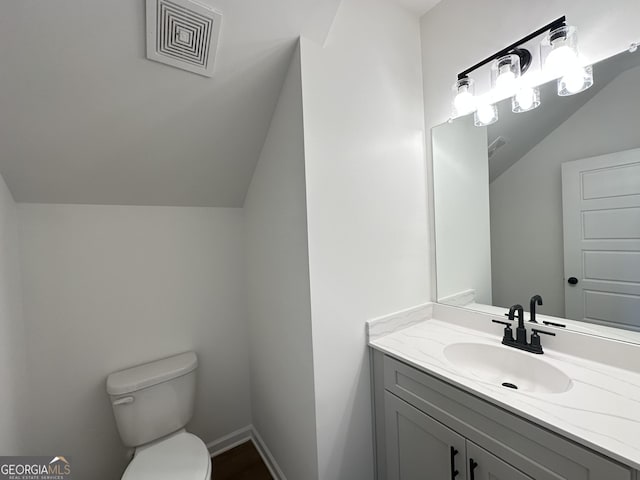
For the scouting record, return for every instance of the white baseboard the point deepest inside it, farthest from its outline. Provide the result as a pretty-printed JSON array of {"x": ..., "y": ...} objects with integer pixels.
[
  {"x": 230, "y": 441},
  {"x": 266, "y": 455},
  {"x": 240, "y": 436}
]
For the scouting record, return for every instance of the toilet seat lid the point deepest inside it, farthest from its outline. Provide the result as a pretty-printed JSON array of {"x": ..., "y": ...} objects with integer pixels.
[{"x": 182, "y": 456}]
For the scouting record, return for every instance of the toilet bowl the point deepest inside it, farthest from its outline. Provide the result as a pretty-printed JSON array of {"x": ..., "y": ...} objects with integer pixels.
[
  {"x": 152, "y": 403},
  {"x": 180, "y": 456}
]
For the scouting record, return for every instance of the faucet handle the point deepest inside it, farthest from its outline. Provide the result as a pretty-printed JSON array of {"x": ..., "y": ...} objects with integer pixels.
[
  {"x": 554, "y": 324},
  {"x": 502, "y": 323},
  {"x": 536, "y": 332},
  {"x": 508, "y": 333},
  {"x": 535, "y": 340}
]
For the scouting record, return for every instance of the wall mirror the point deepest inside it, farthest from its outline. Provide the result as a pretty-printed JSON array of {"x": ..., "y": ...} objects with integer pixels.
[{"x": 546, "y": 202}]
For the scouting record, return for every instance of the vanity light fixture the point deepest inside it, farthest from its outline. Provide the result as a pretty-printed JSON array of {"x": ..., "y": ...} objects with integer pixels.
[{"x": 560, "y": 60}]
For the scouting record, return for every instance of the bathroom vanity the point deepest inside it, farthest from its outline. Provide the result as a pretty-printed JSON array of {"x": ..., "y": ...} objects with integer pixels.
[
  {"x": 538, "y": 208},
  {"x": 442, "y": 411}
]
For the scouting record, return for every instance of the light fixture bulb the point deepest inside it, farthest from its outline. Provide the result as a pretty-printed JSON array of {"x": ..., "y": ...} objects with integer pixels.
[
  {"x": 560, "y": 59},
  {"x": 527, "y": 98},
  {"x": 486, "y": 114},
  {"x": 576, "y": 80},
  {"x": 505, "y": 73},
  {"x": 559, "y": 51},
  {"x": 464, "y": 102},
  {"x": 506, "y": 81}
]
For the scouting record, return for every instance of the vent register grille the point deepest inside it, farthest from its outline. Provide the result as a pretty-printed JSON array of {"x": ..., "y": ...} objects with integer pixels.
[{"x": 183, "y": 34}]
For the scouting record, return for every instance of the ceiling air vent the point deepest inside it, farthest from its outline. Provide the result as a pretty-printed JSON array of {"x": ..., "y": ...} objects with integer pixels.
[
  {"x": 183, "y": 34},
  {"x": 496, "y": 144}
]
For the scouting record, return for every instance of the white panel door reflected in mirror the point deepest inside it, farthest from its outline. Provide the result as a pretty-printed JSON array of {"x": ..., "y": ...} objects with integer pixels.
[{"x": 502, "y": 232}]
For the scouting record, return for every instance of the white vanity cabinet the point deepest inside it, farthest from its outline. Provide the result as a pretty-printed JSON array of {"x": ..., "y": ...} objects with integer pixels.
[
  {"x": 428, "y": 429},
  {"x": 426, "y": 449}
]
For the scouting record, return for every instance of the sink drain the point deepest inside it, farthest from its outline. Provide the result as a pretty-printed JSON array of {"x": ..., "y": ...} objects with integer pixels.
[{"x": 509, "y": 385}]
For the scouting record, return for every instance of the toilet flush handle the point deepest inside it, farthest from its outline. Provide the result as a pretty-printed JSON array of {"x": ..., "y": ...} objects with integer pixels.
[{"x": 123, "y": 401}]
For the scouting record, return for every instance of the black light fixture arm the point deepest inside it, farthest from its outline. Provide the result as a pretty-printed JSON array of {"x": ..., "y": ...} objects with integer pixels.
[{"x": 560, "y": 22}]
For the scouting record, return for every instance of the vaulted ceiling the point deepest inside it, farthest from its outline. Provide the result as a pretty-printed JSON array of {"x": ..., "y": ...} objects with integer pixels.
[
  {"x": 86, "y": 118},
  {"x": 522, "y": 132},
  {"x": 418, "y": 6}
]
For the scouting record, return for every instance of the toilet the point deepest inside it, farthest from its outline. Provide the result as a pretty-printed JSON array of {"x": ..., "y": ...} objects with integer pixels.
[{"x": 152, "y": 403}]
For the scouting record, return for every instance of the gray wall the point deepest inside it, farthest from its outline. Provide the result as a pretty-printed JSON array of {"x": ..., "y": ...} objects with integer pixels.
[
  {"x": 283, "y": 404},
  {"x": 107, "y": 287},
  {"x": 526, "y": 200},
  {"x": 13, "y": 373}
]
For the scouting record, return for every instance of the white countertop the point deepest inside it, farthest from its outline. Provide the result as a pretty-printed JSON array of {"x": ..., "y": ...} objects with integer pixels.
[{"x": 600, "y": 411}]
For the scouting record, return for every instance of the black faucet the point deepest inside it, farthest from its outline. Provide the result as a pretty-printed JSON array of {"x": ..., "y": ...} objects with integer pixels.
[
  {"x": 520, "y": 342},
  {"x": 516, "y": 311},
  {"x": 536, "y": 299}
]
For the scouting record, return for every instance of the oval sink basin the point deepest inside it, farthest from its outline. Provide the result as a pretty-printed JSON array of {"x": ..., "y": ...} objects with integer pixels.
[{"x": 508, "y": 367}]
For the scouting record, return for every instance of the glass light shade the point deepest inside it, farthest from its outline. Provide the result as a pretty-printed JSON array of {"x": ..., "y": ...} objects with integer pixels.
[
  {"x": 525, "y": 99},
  {"x": 486, "y": 114},
  {"x": 559, "y": 51},
  {"x": 576, "y": 80},
  {"x": 505, "y": 72},
  {"x": 464, "y": 101}
]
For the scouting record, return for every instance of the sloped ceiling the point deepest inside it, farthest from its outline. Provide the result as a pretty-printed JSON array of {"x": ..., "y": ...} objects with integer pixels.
[
  {"x": 418, "y": 6},
  {"x": 523, "y": 131},
  {"x": 86, "y": 118}
]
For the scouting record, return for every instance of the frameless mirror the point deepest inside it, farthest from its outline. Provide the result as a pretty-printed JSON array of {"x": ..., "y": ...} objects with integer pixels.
[{"x": 546, "y": 202}]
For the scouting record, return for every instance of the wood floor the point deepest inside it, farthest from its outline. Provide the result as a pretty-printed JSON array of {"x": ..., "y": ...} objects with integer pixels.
[{"x": 240, "y": 463}]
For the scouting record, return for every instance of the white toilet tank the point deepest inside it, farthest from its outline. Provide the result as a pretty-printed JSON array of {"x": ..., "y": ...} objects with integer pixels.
[{"x": 153, "y": 400}]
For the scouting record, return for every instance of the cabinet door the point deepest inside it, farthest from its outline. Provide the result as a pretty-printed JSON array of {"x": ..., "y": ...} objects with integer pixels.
[
  {"x": 482, "y": 465},
  {"x": 420, "y": 448}
]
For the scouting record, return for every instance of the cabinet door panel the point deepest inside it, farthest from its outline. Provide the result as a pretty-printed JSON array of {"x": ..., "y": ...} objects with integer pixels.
[
  {"x": 490, "y": 467},
  {"x": 418, "y": 447}
]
